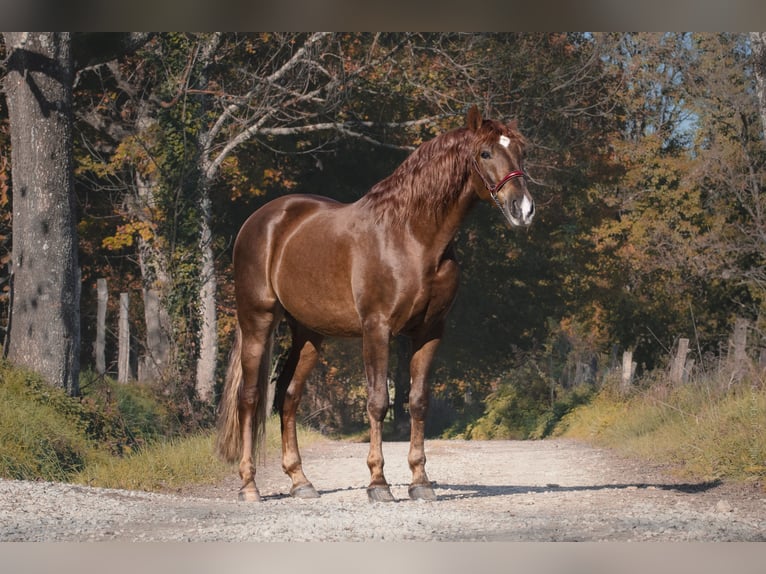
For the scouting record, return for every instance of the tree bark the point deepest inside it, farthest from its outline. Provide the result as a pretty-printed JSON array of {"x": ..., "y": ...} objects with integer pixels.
[
  {"x": 45, "y": 332},
  {"x": 758, "y": 46},
  {"x": 208, "y": 348}
]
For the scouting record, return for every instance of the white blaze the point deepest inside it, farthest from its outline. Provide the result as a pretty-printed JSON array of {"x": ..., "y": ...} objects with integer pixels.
[{"x": 504, "y": 141}]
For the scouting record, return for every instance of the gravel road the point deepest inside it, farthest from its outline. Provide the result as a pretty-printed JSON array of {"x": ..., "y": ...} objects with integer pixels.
[{"x": 552, "y": 490}]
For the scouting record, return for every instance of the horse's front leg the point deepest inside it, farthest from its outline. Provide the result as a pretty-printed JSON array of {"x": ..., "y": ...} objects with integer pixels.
[
  {"x": 375, "y": 350},
  {"x": 420, "y": 364}
]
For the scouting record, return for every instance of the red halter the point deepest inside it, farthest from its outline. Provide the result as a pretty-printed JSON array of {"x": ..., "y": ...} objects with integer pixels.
[
  {"x": 494, "y": 189},
  {"x": 506, "y": 179}
]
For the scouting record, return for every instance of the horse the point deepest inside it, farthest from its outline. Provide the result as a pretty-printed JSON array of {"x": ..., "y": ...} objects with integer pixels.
[{"x": 381, "y": 266}]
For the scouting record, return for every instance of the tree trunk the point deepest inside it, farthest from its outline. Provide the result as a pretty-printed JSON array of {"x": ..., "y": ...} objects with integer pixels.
[
  {"x": 157, "y": 363},
  {"x": 758, "y": 45},
  {"x": 45, "y": 332},
  {"x": 208, "y": 294},
  {"x": 208, "y": 348}
]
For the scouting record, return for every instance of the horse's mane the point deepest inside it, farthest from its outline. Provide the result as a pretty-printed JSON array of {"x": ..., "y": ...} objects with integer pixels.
[{"x": 431, "y": 178}]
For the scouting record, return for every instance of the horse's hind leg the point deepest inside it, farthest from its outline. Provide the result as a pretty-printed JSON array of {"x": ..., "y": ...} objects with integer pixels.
[
  {"x": 256, "y": 359},
  {"x": 301, "y": 360}
]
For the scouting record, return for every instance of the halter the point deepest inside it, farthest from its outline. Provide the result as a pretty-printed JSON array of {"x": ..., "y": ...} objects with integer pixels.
[{"x": 495, "y": 189}]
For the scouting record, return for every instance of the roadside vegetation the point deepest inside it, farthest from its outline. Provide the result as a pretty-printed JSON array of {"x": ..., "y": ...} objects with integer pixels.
[
  {"x": 710, "y": 428},
  {"x": 133, "y": 437},
  {"x": 114, "y": 436}
]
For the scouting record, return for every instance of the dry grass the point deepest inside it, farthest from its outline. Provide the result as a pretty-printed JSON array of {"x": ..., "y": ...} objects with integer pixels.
[
  {"x": 173, "y": 464},
  {"x": 705, "y": 430}
]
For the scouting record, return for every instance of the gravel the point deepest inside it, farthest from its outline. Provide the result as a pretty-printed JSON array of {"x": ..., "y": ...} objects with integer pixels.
[{"x": 552, "y": 490}]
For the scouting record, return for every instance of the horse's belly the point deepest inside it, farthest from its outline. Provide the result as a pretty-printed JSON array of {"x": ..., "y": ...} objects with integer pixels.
[
  {"x": 313, "y": 284},
  {"x": 324, "y": 316}
]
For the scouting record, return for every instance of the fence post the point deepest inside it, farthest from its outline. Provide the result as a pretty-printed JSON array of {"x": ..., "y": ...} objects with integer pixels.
[
  {"x": 738, "y": 359},
  {"x": 103, "y": 298},
  {"x": 123, "y": 355},
  {"x": 677, "y": 369},
  {"x": 628, "y": 369}
]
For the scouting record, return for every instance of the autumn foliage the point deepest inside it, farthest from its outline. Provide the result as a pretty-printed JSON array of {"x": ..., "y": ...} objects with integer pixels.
[{"x": 646, "y": 161}]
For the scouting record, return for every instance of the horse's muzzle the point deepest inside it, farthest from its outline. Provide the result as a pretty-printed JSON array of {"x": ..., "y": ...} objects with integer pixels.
[{"x": 519, "y": 211}]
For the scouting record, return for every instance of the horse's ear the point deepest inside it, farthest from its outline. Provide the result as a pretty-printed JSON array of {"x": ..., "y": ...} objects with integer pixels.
[{"x": 473, "y": 119}]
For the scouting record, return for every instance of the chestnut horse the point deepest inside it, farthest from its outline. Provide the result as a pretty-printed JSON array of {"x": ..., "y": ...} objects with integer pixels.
[{"x": 375, "y": 268}]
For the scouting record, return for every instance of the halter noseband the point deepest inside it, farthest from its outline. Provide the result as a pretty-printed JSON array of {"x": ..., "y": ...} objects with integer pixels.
[{"x": 495, "y": 189}]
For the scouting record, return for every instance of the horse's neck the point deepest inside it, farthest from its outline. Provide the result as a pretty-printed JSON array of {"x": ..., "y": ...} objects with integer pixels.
[{"x": 438, "y": 232}]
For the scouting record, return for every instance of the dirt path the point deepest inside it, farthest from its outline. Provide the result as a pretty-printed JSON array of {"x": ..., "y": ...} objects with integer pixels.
[{"x": 553, "y": 490}]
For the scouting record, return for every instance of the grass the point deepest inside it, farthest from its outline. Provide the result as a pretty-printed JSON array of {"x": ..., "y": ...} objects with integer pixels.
[
  {"x": 174, "y": 463},
  {"x": 116, "y": 436},
  {"x": 707, "y": 429},
  {"x": 160, "y": 466},
  {"x": 127, "y": 437},
  {"x": 42, "y": 433}
]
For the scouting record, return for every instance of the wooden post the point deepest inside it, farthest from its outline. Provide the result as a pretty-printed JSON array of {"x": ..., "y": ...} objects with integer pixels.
[
  {"x": 677, "y": 369},
  {"x": 628, "y": 370},
  {"x": 103, "y": 298},
  {"x": 738, "y": 359},
  {"x": 123, "y": 356}
]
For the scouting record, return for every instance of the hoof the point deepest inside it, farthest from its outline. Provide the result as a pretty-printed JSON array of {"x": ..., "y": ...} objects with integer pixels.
[
  {"x": 304, "y": 491},
  {"x": 421, "y": 492},
  {"x": 249, "y": 495},
  {"x": 380, "y": 494}
]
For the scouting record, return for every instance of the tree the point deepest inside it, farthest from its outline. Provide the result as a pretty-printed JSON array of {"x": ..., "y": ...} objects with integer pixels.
[
  {"x": 730, "y": 171},
  {"x": 45, "y": 315},
  {"x": 758, "y": 46}
]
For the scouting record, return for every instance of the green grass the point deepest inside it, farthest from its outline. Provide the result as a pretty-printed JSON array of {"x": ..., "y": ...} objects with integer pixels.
[
  {"x": 707, "y": 429},
  {"x": 42, "y": 432},
  {"x": 115, "y": 436}
]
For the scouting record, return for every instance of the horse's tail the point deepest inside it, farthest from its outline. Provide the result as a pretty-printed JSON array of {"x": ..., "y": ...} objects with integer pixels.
[{"x": 229, "y": 441}]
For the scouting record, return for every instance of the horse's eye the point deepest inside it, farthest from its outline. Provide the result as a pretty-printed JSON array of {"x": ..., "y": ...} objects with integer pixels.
[{"x": 485, "y": 154}]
